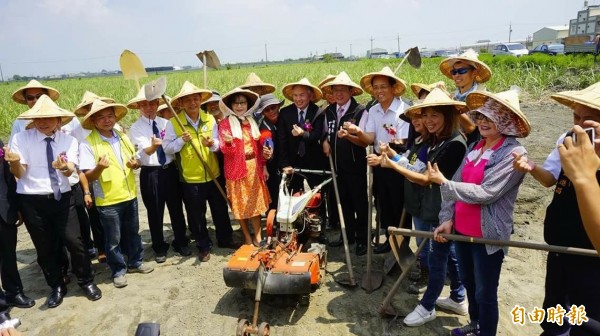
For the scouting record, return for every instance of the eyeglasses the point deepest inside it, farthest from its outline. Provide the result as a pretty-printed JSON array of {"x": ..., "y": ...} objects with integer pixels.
[
  {"x": 460, "y": 71},
  {"x": 33, "y": 97},
  {"x": 240, "y": 103}
]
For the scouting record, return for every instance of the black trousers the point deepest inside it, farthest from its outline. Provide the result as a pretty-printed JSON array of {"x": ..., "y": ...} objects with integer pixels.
[
  {"x": 11, "y": 281},
  {"x": 82, "y": 217},
  {"x": 50, "y": 222},
  {"x": 158, "y": 187},
  {"x": 354, "y": 201},
  {"x": 573, "y": 280},
  {"x": 390, "y": 197},
  {"x": 195, "y": 196}
]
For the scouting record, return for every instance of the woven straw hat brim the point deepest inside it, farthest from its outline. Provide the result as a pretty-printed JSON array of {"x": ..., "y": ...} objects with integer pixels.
[
  {"x": 19, "y": 97},
  {"x": 477, "y": 99},
  {"x": 365, "y": 83},
  {"x": 204, "y": 96},
  {"x": 574, "y": 98},
  {"x": 287, "y": 91},
  {"x": 120, "y": 112},
  {"x": 252, "y": 97},
  {"x": 484, "y": 71},
  {"x": 260, "y": 89},
  {"x": 417, "y": 109}
]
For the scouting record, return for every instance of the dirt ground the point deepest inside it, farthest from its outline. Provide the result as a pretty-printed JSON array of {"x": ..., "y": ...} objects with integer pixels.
[{"x": 190, "y": 298}]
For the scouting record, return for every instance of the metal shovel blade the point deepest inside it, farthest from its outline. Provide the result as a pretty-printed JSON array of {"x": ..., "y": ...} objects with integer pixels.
[
  {"x": 209, "y": 58},
  {"x": 414, "y": 57},
  {"x": 373, "y": 281},
  {"x": 156, "y": 88},
  {"x": 345, "y": 279}
]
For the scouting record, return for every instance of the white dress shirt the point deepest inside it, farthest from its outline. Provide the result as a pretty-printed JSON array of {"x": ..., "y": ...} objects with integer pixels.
[
  {"x": 141, "y": 134},
  {"x": 18, "y": 126},
  {"x": 552, "y": 163},
  {"x": 378, "y": 118},
  {"x": 87, "y": 161},
  {"x": 31, "y": 146}
]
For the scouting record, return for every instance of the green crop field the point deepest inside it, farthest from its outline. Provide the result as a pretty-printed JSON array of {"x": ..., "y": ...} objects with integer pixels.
[{"x": 536, "y": 75}]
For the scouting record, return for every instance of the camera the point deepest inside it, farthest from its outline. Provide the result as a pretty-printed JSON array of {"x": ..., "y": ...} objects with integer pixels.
[{"x": 590, "y": 133}]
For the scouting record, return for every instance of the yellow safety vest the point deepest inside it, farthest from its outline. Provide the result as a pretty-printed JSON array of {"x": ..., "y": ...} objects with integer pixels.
[
  {"x": 191, "y": 170},
  {"x": 116, "y": 184}
]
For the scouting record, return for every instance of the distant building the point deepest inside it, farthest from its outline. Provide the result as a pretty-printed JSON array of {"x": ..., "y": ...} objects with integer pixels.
[
  {"x": 488, "y": 46},
  {"x": 550, "y": 35},
  {"x": 587, "y": 21},
  {"x": 376, "y": 53}
]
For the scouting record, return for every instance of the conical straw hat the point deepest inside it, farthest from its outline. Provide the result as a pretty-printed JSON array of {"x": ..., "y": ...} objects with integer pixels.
[
  {"x": 190, "y": 89},
  {"x": 253, "y": 100},
  {"x": 399, "y": 87},
  {"x": 99, "y": 105},
  {"x": 342, "y": 79},
  {"x": 437, "y": 97},
  {"x": 470, "y": 57},
  {"x": 19, "y": 95},
  {"x": 45, "y": 107},
  {"x": 88, "y": 99},
  {"x": 416, "y": 88},
  {"x": 590, "y": 97},
  {"x": 287, "y": 90},
  {"x": 326, "y": 80},
  {"x": 255, "y": 84},
  {"x": 140, "y": 97},
  {"x": 503, "y": 109}
]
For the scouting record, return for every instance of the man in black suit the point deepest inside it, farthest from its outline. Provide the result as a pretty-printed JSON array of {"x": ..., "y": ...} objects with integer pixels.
[
  {"x": 349, "y": 157},
  {"x": 300, "y": 129},
  {"x": 11, "y": 281}
]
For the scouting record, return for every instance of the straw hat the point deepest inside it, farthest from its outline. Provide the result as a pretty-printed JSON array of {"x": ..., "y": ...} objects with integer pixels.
[
  {"x": 437, "y": 97},
  {"x": 503, "y": 109},
  {"x": 326, "y": 80},
  {"x": 399, "y": 87},
  {"x": 268, "y": 100},
  {"x": 228, "y": 97},
  {"x": 342, "y": 79},
  {"x": 287, "y": 90},
  {"x": 470, "y": 57},
  {"x": 190, "y": 89},
  {"x": 216, "y": 97},
  {"x": 99, "y": 105},
  {"x": 416, "y": 88},
  {"x": 19, "y": 95},
  {"x": 87, "y": 100},
  {"x": 140, "y": 97},
  {"x": 255, "y": 84},
  {"x": 45, "y": 107},
  {"x": 590, "y": 97}
]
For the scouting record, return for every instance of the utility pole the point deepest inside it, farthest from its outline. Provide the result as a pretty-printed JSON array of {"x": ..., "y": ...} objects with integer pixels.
[
  {"x": 1, "y": 75},
  {"x": 266, "y": 55},
  {"x": 398, "y": 43},
  {"x": 371, "y": 52},
  {"x": 509, "y": 31}
]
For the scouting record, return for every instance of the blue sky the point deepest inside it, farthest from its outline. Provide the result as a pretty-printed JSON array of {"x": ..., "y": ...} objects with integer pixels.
[{"x": 44, "y": 37}]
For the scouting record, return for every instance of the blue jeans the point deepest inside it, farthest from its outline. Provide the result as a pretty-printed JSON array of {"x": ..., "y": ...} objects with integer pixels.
[
  {"x": 442, "y": 259},
  {"x": 422, "y": 226},
  {"x": 480, "y": 274},
  {"x": 121, "y": 225}
]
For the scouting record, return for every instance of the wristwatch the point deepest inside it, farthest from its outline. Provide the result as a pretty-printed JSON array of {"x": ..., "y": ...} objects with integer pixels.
[{"x": 87, "y": 193}]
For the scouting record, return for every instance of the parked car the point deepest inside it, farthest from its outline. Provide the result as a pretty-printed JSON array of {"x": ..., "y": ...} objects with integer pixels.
[
  {"x": 513, "y": 49},
  {"x": 551, "y": 49},
  {"x": 426, "y": 54}
]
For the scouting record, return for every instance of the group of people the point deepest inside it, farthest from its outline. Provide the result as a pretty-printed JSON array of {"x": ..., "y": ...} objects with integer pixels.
[{"x": 450, "y": 161}]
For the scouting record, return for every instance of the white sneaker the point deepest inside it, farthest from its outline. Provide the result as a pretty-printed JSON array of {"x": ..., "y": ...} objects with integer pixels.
[
  {"x": 120, "y": 281},
  {"x": 460, "y": 308},
  {"x": 419, "y": 316}
]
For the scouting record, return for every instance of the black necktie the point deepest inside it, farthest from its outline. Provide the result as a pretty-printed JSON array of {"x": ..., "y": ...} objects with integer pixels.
[
  {"x": 51, "y": 170},
  {"x": 162, "y": 158},
  {"x": 301, "y": 146}
]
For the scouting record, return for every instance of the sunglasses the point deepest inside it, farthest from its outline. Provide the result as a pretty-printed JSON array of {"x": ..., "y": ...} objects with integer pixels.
[
  {"x": 481, "y": 117},
  {"x": 460, "y": 71},
  {"x": 33, "y": 97}
]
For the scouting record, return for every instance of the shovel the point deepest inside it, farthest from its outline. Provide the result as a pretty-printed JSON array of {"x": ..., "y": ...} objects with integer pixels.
[
  {"x": 156, "y": 89},
  {"x": 386, "y": 308},
  {"x": 210, "y": 60},
  {"x": 132, "y": 67},
  {"x": 341, "y": 278},
  {"x": 401, "y": 252},
  {"x": 373, "y": 279},
  {"x": 414, "y": 58}
]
